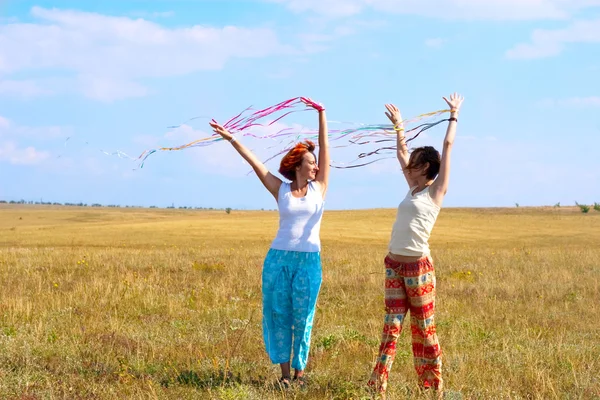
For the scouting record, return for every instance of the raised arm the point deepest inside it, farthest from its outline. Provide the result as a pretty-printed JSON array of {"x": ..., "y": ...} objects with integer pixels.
[
  {"x": 402, "y": 150},
  {"x": 439, "y": 187},
  {"x": 271, "y": 182},
  {"x": 323, "y": 161}
]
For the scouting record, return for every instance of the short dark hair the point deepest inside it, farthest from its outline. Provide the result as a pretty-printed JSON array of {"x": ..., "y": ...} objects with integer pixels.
[{"x": 422, "y": 155}]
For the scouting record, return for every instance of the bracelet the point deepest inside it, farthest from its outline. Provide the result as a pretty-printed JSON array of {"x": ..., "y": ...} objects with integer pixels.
[
  {"x": 232, "y": 140},
  {"x": 453, "y": 119},
  {"x": 454, "y": 110}
]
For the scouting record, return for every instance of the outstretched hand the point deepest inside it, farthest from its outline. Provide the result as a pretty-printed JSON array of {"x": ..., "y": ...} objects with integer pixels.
[
  {"x": 218, "y": 129},
  {"x": 455, "y": 102},
  {"x": 393, "y": 114},
  {"x": 312, "y": 104}
]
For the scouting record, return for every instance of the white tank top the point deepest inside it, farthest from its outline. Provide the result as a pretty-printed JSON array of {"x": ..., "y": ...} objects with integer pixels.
[
  {"x": 299, "y": 219},
  {"x": 414, "y": 222}
]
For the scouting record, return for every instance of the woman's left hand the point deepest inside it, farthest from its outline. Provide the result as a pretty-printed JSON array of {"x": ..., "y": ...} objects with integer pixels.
[
  {"x": 455, "y": 102},
  {"x": 312, "y": 104}
]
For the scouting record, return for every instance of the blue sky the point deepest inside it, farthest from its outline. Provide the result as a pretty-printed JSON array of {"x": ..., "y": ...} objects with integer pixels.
[{"x": 115, "y": 75}]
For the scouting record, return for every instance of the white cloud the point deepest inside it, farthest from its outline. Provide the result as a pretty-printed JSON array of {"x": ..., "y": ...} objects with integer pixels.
[
  {"x": 4, "y": 123},
  {"x": 21, "y": 88},
  {"x": 576, "y": 102},
  {"x": 282, "y": 73},
  {"x": 185, "y": 132},
  {"x": 539, "y": 50},
  {"x": 10, "y": 129},
  {"x": 146, "y": 140},
  {"x": 13, "y": 152},
  {"x": 333, "y": 8},
  {"x": 108, "y": 54},
  {"x": 447, "y": 9},
  {"x": 321, "y": 33},
  {"x": 435, "y": 42},
  {"x": 548, "y": 42},
  {"x": 154, "y": 14},
  {"x": 7, "y": 20},
  {"x": 109, "y": 89},
  {"x": 52, "y": 148},
  {"x": 10, "y": 152}
]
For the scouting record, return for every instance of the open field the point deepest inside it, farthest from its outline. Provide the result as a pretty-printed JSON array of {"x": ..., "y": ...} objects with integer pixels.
[{"x": 100, "y": 303}]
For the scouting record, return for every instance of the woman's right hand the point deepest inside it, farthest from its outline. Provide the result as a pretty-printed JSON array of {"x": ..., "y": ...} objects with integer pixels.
[
  {"x": 218, "y": 129},
  {"x": 271, "y": 182},
  {"x": 393, "y": 114}
]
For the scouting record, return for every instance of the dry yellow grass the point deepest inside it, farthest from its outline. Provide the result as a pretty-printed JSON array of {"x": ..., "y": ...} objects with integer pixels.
[{"x": 139, "y": 303}]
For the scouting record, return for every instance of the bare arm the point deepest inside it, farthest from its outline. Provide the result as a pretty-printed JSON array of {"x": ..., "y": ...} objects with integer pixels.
[
  {"x": 402, "y": 150},
  {"x": 270, "y": 181},
  {"x": 439, "y": 187},
  {"x": 324, "y": 160}
]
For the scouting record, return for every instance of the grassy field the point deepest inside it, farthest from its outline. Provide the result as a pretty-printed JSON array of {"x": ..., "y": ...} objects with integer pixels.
[{"x": 100, "y": 303}]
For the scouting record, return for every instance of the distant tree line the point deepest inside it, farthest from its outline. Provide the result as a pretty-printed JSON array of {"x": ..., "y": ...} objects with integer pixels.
[
  {"x": 583, "y": 207},
  {"x": 53, "y": 203}
]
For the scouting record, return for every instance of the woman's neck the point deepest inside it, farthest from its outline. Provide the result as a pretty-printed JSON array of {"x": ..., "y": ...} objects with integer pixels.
[
  {"x": 423, "y": 183},
  {"x": 299, "y": 183}
]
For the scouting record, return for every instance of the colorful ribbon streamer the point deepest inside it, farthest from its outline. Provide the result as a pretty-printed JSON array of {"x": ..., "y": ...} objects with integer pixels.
[{"x": 246, "y": 122}]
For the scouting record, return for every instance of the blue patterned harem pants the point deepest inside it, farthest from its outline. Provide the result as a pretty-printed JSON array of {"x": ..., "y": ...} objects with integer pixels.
[{"x": 291, "y": 281}]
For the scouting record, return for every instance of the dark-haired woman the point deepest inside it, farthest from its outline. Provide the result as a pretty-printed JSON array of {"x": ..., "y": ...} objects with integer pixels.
[
  {"x": 410, "y": 276},
  {"x": 291, "y": 277}
]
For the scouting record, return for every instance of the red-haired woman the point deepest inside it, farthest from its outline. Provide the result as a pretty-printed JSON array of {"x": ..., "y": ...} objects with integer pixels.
[
  {"x": 291, "y": 277},
  {"x": 410, "y": 276}
]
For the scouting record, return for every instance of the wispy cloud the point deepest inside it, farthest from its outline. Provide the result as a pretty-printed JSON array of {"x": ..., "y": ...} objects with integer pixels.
[
  {"x": 551, "y": 42},
  {"x": 10, "y": 129},
  {"x": 109, "y": 88},
  {"x": 447, "y": 9},
  {"x": 22, "y": 88},
  {"x": 152, "y": 14},
  {"x": 435, "y": 42},
  {"x": 321, "y": 34},
  {"x": 4, "y": 123},
  {"x": 332, "y": 8},
  {"x": 13, "y": 154},
  {"x": 575, "y": 102},
  {"x": 13, "y": 135}
]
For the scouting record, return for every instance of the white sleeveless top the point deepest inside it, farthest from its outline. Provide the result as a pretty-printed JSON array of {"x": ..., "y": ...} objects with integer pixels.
[
  {"x": 414, "y": 222},
  {"x": 299, "y": 219}
]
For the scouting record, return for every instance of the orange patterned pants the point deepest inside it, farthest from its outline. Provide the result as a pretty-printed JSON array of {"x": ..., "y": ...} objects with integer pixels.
[{"x": 409, "y": 286}]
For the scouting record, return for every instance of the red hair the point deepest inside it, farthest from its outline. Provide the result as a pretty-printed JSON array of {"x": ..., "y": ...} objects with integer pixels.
[{"x": 293, "y": 158}]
